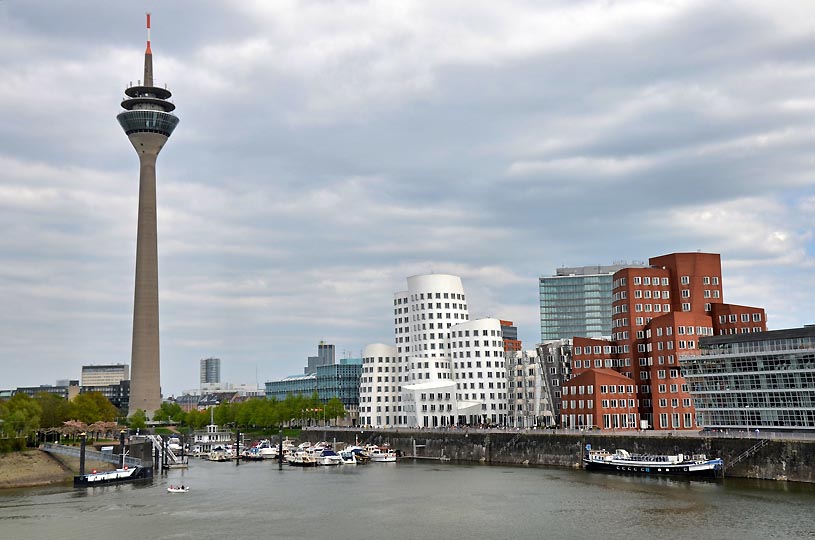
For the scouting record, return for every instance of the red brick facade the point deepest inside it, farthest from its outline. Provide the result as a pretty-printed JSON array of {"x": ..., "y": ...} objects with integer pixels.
[{"x": 658, "y": 314}]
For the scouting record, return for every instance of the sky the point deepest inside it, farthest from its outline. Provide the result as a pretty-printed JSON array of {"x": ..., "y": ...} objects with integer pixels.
[{"x": 329, "y": 149}]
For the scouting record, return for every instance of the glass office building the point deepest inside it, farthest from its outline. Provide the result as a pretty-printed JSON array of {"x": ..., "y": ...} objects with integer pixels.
[
  {"x": 576, "y": 302},
  {"x": 763, "y": 380}
]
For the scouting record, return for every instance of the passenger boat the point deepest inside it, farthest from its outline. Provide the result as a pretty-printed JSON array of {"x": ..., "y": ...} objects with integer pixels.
[
  {"x": 178, "y": 489},
  {"x": 348, "y": 457},
  {"x": 124, "y": 474},
  {"x": 653, "y": 465}
]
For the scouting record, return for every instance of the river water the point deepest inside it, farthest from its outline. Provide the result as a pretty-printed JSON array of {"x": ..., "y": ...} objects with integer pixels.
[{"x": 411, "y": 500}]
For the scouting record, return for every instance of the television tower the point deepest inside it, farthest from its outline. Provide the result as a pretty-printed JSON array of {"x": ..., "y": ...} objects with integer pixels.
[{"x": 147, "y": 122}]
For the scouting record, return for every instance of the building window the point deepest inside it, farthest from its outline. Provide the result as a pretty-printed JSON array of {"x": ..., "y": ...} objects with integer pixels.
[
  {"x": 685, "y": 280},
  {"x": 686, "y": 306},
  {"x": 685, "y": 293}
]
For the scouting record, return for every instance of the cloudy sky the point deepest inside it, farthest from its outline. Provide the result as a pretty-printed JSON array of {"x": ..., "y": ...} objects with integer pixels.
[{"x": 329, "y": 149}]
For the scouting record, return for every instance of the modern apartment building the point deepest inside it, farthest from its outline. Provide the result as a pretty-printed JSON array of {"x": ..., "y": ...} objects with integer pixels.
[
  {"x": 380, "y": 384},
  {"x": 746, "y": 381},
  {"x": 448, "y": 370},
  {"x": 658, "y": 314},
  {"x": 577, "y": 302}
]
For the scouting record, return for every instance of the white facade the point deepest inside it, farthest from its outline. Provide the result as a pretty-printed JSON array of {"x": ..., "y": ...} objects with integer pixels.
[
  {"x": 449, "y": 369},
  {"x": 379, "y": 386}
]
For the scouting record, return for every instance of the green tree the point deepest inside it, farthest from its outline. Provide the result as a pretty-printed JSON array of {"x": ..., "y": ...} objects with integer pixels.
[
  {"x": 93, "y": 407},
  {"x": 169, "y": 411},
  {"x": 224, "y": 414},
  {"x": 334, "y": 409},
  {"x": 55, "y": 410},
  {"x": 20, "y": 415},
  {"x": 138, "y": 420}
]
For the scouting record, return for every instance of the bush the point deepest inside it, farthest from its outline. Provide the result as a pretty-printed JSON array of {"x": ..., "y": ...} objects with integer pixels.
[{"x": 12, "y": 445}]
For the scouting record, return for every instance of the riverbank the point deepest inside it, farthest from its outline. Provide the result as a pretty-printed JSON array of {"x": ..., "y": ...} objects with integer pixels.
[
  {"x": 746, "y": 457},
  {"x": 33, "y": 468}
]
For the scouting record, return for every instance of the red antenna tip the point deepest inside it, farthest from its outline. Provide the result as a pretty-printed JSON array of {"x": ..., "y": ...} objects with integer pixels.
[{"x": 148, "y": 51}]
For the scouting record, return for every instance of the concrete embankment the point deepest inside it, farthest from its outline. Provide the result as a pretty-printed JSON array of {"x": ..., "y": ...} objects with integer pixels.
[
  {"x": 776, "y": 459},
  {"x": 37, "y": 468}
]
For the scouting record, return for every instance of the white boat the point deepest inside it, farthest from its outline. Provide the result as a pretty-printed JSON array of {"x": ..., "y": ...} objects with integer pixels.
[
  {"x": 108, "y": 477},
  {"x": 266, "y": 449},
  {"x": 302, "y": 459},
  {"x": 178, "y": 489},
  {"x": 329, "y": 457},
  {"x": 381, "y": 454},
  {"x": 174, "y": 444},
  {"x": 348, "y": 457},
  {"x": 218, "y": 455}
]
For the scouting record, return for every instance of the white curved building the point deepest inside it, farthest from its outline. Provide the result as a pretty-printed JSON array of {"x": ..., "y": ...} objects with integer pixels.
[
  {"x": 379, "y": 386},
  {"x": 479, "y": 370},
  {"x": 450, "y": 370}
]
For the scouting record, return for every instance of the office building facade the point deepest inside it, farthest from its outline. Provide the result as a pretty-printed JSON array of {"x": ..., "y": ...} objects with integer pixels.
[
  {"x": 576, "y": 302},
  {"x": 746, "y": 381},
  {"x": 104, "y": 375},
  {"x": 210, "y": 371},
  {"x": 659, "y": 313}
]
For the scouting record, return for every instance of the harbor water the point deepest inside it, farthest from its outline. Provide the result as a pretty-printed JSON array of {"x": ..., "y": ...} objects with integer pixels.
[{"x": 410, "y": 500}]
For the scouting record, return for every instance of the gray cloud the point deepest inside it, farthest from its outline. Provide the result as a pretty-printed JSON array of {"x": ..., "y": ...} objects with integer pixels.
[{"x": 328, "y": 150}]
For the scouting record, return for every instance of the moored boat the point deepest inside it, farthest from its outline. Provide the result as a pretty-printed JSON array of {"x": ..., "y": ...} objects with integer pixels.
[
  {"x": 124, "y": 474},
  {"x": 653, "y": 465},
  {"x": 302, "y": 459},
  {"x": 381, "y": 454},
  {"x": 348, "y": 457},
  {"x": 328, "y": 457}
]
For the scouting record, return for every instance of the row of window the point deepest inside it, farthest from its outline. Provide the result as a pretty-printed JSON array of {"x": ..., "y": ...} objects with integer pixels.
[
  {"x": 421, "y": 296},
  {"x": 745, "y": 318}
]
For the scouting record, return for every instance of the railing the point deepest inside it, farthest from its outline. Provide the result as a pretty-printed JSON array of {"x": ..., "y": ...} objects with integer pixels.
[
  {"x": 158, "y": 443},
  {"x": 510, "y": 443},
  {"x": 747, "y": 453},
  {"x": 734, "y": 433},
  {"x": 94, "y": 455}
]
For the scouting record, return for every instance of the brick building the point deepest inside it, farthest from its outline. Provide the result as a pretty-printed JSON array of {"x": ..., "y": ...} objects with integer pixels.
[{"x": 658, "y": 314}]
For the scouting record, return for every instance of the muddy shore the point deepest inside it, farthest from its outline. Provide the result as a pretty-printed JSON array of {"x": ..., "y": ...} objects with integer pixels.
[{"x": 37, "y": 468}]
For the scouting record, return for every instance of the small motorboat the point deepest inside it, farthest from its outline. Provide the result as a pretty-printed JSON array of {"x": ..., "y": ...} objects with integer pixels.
[{"x": 178, "y": 489}]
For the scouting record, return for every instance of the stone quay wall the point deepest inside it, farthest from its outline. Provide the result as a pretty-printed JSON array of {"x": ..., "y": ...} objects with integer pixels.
[{"x": 778, "y": 459}]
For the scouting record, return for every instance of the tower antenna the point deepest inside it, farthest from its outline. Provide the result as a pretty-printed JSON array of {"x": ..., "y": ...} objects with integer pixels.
[{"x": 148, "y": 51}]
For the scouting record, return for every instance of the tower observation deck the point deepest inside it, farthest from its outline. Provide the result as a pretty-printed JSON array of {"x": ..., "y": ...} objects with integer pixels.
[{"x": 147, "y": 121}]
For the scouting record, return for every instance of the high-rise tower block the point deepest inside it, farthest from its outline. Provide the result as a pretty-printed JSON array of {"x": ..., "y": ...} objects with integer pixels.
[{"x": 147, "y": 121}]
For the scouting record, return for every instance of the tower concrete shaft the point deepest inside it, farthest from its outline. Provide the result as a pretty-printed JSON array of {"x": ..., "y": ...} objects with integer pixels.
[
  {"x": 145, "y": 381},
  {"x": 148, "y": 123}
]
